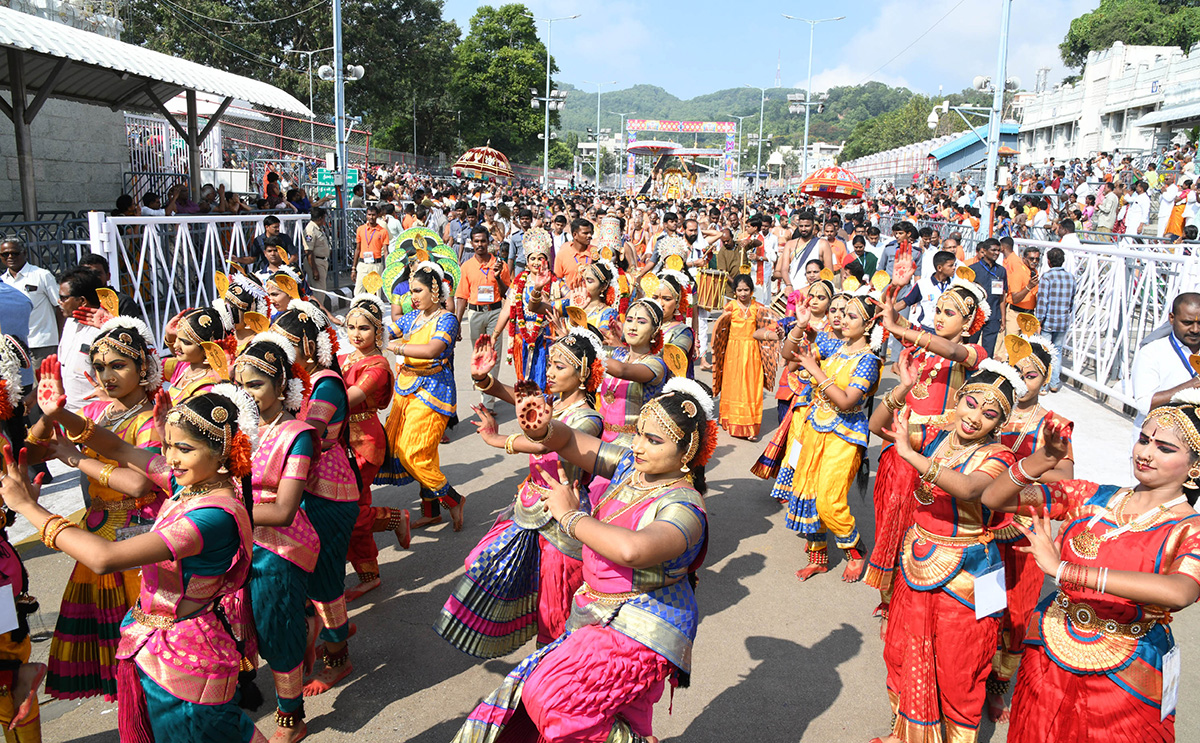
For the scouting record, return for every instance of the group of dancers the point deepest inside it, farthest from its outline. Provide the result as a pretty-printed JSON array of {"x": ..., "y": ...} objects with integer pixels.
[{"x": 230, "y": 483}]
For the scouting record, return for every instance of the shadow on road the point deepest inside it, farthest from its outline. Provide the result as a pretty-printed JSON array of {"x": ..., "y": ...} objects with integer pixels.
[{"x": 778, "y": 698}]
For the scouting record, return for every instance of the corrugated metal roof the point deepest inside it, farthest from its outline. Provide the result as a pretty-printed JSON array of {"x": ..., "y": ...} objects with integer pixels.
[
  {"x": 111, "y": 73},
  {"x": 966, "y": 140}
]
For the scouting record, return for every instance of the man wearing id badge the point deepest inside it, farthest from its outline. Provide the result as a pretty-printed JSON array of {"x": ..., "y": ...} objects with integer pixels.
[
  {"x": 992, "y": 277},
  {"x": 370, "y": 248},
  {"x": 485, "y": 280}
]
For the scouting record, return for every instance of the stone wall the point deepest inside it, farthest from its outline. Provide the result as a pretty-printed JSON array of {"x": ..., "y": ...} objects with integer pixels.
[{"x": 80, "y": 153}]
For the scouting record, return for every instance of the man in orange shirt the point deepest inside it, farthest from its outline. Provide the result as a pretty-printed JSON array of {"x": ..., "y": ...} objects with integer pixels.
[
  {"x": 574, "y": 254},
  {"x": 370, "y": 248},
  {"x": 485, "y": 281},
  {"x": 1022, "y": 280}
]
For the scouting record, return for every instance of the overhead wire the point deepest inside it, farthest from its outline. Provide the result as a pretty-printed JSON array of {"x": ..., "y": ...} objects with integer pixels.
[
  {"x": 913, "y": 43},
  {"x": 249, "y": 23},
  {"x": 234, "y": 48}
]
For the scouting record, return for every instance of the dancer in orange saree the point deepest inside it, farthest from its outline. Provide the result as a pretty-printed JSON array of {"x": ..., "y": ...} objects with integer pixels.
[
  {"x": 937, "y": 651},
  {"x": 1101, "y": 662},
  {"x": 742, "y": 367}
]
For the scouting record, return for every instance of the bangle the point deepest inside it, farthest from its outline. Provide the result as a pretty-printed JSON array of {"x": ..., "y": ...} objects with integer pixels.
[
  {"x": 569, "y": 521},
  {"x": 54, "y": 518},
  {"x": 931, "y": 474},
  {"x": 549, "y": 430},
  {"x": 1019, "y": 477},
  {"x": 795, "y": 337},
  {"x": 892, "y": 404},
  {"x": 1024, "y": 474},
  {"x": 823, "y": 385},
  {"x": 1103, "y": 582},
  {"x": 105, "y": 474},
  {"x": 490, "y": 381},
  {"x": 508, "y": 443},
  {"x": 89, "y": 427},
  {"x": 1058, "y": 573},
  {"x": 59, "y": 529},
  {"x": 35, "y": 441}
]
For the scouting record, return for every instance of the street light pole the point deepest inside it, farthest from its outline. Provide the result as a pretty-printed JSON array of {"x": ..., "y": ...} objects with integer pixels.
[
  {"x": 1000, "y": 83},
  {"x": 739, "y": 144},
  {"x": 546, "y": 128},
  {"x": 621, "y": 169},
  {"x": 812, "y": 27},
  {"x": 598, "y": 87},
  {"x": 761, "y": 108}
]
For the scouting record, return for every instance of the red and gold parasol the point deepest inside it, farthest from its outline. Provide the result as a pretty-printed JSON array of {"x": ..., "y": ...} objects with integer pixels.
[
  {"x": 484, "y": 163},
  {"x": 832, "y": 183}
]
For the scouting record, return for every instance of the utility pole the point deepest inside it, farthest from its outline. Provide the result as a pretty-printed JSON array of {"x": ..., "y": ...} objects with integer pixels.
[
  {"x": 598, "y": 87},
  {"x": 546, "y": 131},
  {"x": 1000, "y": 84},
  {"x": 761, "y": 109},
  {"x": 621, "y": 168},
  {"x": 812, "y": 27}
]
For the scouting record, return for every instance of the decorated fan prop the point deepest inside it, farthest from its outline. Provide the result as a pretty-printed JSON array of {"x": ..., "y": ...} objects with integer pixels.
[
  {"x": 965, "y": 273},
  {"x": 1194, "y": 360},
  {"x": 256, "y": 321},
  {"x": 880, "y": 280},
  {"x": 677, "y": 360},
  {"x": 395, "y": 281},
  {"x": 372, "y": 282},
  {"x": 675, "y": 262},
  {"x": 826, "y": 275},
  {"x": 109, "y": 301},
  {"x": 451, "y": 267},
  {"x": 649, "y": 284},
  {"x": 410, "y": 235},
  {"x": 216, "y": 358},
  {"x": 851, "y": 284},
  {"x": 1018, "y": 349},
  {"x": 421, "y": 255},
  {"x": 221, "y": 282},
  {"x": 746, "y": 269},
  {"x": 606, "y": 254},
  {"x": 1028, "y": 324},
  {"x": 577, "y": 317}
]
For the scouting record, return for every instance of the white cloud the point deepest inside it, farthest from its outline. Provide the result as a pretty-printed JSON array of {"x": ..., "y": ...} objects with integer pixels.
[{"x": 957, "y": 49}]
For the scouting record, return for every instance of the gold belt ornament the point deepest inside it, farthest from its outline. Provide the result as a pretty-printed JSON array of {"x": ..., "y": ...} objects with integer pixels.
[
  {"x": 610, "y": 598},
  {"x": 1084, "y": 617},
  {"x": 946, "y": 541},
  {"x": 125, "y": 504},
  {"x": 360, "y": 417},
  {"x": 153, "y": 621}
]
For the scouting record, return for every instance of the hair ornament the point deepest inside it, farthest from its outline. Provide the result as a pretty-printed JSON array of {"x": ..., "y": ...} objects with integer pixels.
[{"x": 691, "y": 388}]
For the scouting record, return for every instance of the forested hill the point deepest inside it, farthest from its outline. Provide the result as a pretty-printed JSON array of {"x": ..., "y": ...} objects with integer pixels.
[{"x": 845, "y": 107}]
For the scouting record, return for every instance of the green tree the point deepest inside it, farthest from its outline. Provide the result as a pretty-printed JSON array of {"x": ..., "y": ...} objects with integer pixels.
[
  {"x": 495, "y": 67},
  {"x": 1148, "y": 22}
]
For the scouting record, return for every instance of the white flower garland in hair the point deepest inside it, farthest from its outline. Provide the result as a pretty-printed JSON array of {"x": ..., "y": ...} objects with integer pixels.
[
  {"x": 313, "y": 312},
  {"x": 975, "y": 290},
  {"x": 876, "y": 340},
  {"x": 610, "y": 267},
  {"x": 1008, "y": 372},
  {"x": 383, "y": 334},
  {"x": 444, "y": 288},
  {"x": 270, "y": 336},
  {"x": 247, "y": 421},
  {"x": 224, "y": 313},
  {"x": 1043, "y": 340},
  {"x": 692, "y": 389},
  {"x": 679, "y": 283},
  {"x": 10, "y": 372},
  {"x": 293, "y": 399},
  {"x": 154, "y": 369},
  {"x": 662, "y": 314},
  {"x": 591, "y": 339},
  {"x": 256, "y": 290},
  {"x": 1189, "y": 396}
]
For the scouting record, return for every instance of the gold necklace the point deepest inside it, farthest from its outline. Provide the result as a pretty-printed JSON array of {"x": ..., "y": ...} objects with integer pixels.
[
  {"x": 1087, "y": 545},
  {"x": 203, "y": 488},
  {"x": 920, "y": 391},
  {"x": 1024, "y": 426},
  {"x": 955, "y": 455}
]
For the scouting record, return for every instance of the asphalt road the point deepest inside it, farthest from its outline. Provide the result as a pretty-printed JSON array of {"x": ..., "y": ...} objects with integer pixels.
[{"x": 775, "y": 660}]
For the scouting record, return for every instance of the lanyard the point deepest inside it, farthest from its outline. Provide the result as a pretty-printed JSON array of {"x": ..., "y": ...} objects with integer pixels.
[
  {"x": 985, "y": 268},
  {"x": 1177, "y": 347}
]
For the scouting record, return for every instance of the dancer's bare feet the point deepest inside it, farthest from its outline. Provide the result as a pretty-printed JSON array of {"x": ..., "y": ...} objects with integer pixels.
[
  {"x": 29, "y": 678},
  {"x": 456, "y": 516},
  {"x": 403, "y": 531},
  {"x": 363, "y": 587},
  {"x": 290, "y": 735},
  {"x": 426, "y": 521},
  {"x": 327, "y": 679},
  {"x": 854, "y": 570},
  {"x": 812, "y": 569},
  {"x": 310, "y": 650},
  {"x": 997, "y": 710}
]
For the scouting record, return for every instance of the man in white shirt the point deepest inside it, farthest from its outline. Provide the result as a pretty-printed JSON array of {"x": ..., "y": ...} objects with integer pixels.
[
  {"x": 1166, "y": 202},
  {"x": 42, "y": 289},
  {"x": 1161, "y": 367},
  {"x": 1139, "y": 210},
  {"x": 77, "y": 290}
]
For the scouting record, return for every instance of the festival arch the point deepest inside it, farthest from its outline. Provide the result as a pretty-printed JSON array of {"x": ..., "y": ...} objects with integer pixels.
[{"x": 678, "y": 182}]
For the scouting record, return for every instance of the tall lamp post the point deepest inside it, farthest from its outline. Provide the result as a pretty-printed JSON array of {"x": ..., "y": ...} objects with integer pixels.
[
  {"x": 739, "y": 146},
  {"x": 546, "y": 131},
  {"x": 1000, "y": 83},
  {"x": 598, "y": 87},
  {"x": 761, "y": 108},
  {"x": 621, "y": 170},
  {"x": 812, "y": 27}
]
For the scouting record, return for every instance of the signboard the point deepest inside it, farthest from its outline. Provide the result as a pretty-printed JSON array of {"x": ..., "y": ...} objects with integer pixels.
[
  {"x": 630, "y": 166},
  {"x": 325, "y": 185},
  {"x": 685, "y": 127}
]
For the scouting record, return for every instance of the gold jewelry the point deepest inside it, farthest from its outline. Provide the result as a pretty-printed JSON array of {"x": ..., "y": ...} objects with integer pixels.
[
  {"x": 204, "y": 488},
  {"x": 487, "y": 378},
  {"x": 569, "y": 521},
  {"x": 655, "y": 408},
  {"x": 1172, "y": 417},
  {"x": 59, "y": 529},
  {"x": 825, "y": 385},
  {"x": 105, "y": 474},
  {"x": 549, "y": 432},
  {"x": 89, "y": 427},
  {"x": 508, "y": 443},
  {"x": 892, "y": 404},
  {"x": 54, "y": 518},
  {"x": 924, "y": 492},
  {"x": 1193, "y": 474},
  {"x": 35, "y": 441}
]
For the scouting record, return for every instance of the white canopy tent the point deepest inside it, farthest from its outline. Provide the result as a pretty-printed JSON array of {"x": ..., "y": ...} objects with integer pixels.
[{"x": 49, "y": 59}]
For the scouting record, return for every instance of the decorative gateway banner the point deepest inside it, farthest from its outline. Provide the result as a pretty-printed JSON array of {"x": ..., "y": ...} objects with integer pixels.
[
  {"x": 685, "y": 127},
  {"x": 630, "y": 166}
]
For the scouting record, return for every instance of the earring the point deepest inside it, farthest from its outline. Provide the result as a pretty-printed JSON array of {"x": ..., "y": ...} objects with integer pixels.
[
  {"x": 684, "y": 469},
  {"x": 1193, "y": 475},
  {"x": 223, "y": 470}
]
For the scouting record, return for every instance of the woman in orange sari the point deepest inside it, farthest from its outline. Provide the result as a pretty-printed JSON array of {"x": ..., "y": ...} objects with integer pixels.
[{"x": 740, "y": 364}]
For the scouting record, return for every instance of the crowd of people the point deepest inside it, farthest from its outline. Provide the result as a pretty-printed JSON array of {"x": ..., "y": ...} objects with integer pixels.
[{"x": 229, "y": 479}]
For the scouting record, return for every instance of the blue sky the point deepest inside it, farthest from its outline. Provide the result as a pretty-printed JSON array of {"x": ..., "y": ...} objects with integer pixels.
[{"x": 691, "y": 47}]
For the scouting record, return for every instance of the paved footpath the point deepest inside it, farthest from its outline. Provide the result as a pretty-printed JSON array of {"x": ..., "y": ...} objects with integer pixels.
[{"x": 775, "y": 660}]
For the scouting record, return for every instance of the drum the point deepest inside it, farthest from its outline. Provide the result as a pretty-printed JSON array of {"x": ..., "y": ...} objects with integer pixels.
[
  {"x": 779, "y": 304},
  {"x": 710, "y": 289}
]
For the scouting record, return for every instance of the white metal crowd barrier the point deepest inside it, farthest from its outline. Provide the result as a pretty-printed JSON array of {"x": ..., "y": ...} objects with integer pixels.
[
  {"x": 1122, "y": 293},
  {"x": 167, "y": 264}
]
